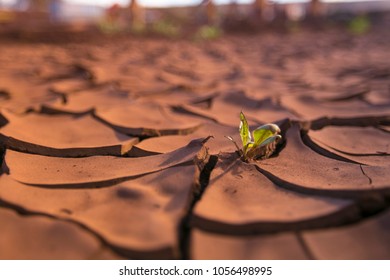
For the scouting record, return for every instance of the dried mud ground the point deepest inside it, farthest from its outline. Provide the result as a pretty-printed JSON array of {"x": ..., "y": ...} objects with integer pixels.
[{"x": 105, "y": 148}]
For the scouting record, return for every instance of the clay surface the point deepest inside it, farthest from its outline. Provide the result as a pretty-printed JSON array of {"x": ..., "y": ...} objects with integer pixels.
[
  {"x": 116, "y": 148},
  {"x": 65, "y": 136}
]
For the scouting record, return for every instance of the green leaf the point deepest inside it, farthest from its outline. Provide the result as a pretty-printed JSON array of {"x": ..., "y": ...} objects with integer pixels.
[
  {"x": 265, "y": 149},
  {"x": 270, "y": 140},
  {"x": 249, "y": 146},
  {"x": 244, "y": 131},
  {"x": 265, "y": 137},
  {"x": 264, "y": 132}
]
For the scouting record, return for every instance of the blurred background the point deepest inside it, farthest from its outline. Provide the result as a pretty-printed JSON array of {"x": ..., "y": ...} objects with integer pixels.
[{"x": 27, "y": 19}]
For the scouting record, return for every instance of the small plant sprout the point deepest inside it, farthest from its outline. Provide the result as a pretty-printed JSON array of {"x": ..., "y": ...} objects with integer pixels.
[{"x": 258, "y": 145}]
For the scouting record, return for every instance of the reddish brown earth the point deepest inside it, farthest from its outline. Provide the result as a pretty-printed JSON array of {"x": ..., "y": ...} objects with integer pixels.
[{"x": 106, "y": 151}]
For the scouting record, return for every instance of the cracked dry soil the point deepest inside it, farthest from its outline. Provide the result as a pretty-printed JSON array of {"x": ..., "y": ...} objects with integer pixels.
[{"x": 104, "y": 152}]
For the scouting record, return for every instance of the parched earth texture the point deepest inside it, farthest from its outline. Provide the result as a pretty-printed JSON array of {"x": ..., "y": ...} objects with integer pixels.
[{"x": 106, "y": 151}]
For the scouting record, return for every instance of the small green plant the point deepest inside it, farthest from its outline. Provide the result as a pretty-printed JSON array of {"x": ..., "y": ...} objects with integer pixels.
[
  {"x": 166, "y": 28},
  {"x": 359, "y": 25},
  {"x": 263, "y": 143},
  {"x": 208, "y": 32},
  {"x": 109, "y": 27},
  {"x": 138, "y": 28}
]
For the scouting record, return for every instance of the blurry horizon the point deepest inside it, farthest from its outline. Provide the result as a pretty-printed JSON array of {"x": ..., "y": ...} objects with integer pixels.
[{"x": 173, "y": 3}]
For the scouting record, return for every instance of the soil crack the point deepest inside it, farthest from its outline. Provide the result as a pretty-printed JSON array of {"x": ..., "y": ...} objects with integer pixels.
[
  {"x": 358, "y": 122},
  {"x": 20, "y": 210},
  {"x": 305, "y": 247},
  {"x": 205, "y": 164},
  {"x": 364, "y": 173},
  {"x": 2, "y": 155}
]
